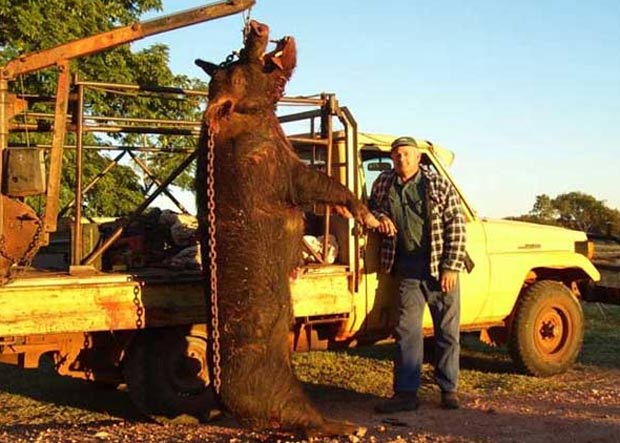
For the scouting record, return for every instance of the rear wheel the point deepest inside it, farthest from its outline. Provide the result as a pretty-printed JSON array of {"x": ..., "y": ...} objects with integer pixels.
[
  {"x": 547, "y": 329},
  {"x": 167, "y": 372}
]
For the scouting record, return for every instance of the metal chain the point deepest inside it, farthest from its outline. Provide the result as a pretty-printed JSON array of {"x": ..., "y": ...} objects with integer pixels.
[
  {"x": 33, "y": 246},
  {"x": 215, "y": 332},
  {"x": 26, "y": 259},
  {"x": 229, "y": 59},
  {"x": 215, "y": 328},
  {"x": 246, "y": 32},
  {"x": 139, "y": 308},
  {"x": 3, "y": 251}
]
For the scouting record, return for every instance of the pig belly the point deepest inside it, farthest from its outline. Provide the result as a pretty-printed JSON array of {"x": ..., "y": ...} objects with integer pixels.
[{"x": 255, "y": 258}]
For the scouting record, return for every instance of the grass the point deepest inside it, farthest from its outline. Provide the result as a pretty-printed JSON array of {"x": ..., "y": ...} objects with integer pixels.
[
  {"x": 602, "y": 337},
  {"x": 484, "y": 369}
]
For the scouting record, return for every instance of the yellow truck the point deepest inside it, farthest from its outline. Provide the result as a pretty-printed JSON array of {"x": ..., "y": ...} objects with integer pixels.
[
  {"x": 145, "y": 326},
  {"x": 85, "y": 297}
]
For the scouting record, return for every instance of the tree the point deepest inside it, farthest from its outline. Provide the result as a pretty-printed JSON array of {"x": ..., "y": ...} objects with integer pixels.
[
  {"x": 543, "y": 209},
  {"x": 21, "y": 31},
  {"x": 543, "y": 212},
  {"x": 580, "y": 211},
  {"x": 574, "y": 210}
]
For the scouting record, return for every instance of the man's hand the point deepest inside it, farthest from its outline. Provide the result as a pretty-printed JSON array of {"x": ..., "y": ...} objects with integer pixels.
[
  {"x": 386, "y": 226},
  {"x": 448, "y": 280}
]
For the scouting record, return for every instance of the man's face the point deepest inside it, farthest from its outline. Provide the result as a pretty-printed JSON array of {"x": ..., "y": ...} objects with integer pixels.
[{"x": 406, "y": 160}]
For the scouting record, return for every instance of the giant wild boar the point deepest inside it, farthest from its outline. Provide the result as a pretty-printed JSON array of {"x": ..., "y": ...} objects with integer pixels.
[{"x": 260, "y": 184}]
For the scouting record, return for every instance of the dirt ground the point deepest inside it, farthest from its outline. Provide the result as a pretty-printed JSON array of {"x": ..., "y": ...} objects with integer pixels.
[{"x": 37, "y": 406}]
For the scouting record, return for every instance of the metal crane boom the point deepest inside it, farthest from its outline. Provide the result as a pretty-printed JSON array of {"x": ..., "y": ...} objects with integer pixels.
[{"x": 106, "y": 40}]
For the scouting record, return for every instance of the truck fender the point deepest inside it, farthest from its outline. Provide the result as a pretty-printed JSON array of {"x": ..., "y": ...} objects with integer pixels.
[{"x": 506, "y": 288}]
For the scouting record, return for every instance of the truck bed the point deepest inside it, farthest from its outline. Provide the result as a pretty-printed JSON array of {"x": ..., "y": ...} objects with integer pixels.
[
  {"x": 38, "y": 302},
  {"x": 43, "y": 302}
]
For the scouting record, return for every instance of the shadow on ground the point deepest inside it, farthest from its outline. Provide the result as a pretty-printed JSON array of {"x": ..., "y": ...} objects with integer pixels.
[
  {"x": 46, "y": 386},
  {"x": 38, "y": 393},
  {"x": 474, "y": 355}
]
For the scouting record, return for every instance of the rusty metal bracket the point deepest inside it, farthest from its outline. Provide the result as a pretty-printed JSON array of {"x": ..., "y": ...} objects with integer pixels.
[
  {"x": 115, "y": 37},
  {"x": 58, "y": 142}
]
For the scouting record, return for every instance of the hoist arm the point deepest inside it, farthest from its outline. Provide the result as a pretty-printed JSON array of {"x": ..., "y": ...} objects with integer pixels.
[{"x": 106, "y": 40}]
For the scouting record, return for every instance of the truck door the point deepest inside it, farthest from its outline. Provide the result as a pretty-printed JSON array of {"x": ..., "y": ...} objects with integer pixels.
[
  {"x": 475, "y": 284},
  {"x": 379, "y": 290}
]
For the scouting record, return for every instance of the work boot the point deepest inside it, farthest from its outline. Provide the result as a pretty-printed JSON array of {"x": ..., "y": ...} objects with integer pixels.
[
  {"x": 400, "y": 402},
  {"x": 449, "y": 400}
]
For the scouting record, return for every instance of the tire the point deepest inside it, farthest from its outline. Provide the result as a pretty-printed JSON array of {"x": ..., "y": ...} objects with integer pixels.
[
  {"x": 166, "y": 371},
  {"x": 134, "y": 371},
  {"x": 547, "y": 329}
]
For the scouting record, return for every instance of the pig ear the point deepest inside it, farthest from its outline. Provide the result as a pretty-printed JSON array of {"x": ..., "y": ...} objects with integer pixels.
[{"x": 207, "y": 67}]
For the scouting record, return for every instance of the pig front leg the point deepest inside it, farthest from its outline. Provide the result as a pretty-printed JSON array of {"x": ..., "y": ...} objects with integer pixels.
[{"x": 311, "y": 186}]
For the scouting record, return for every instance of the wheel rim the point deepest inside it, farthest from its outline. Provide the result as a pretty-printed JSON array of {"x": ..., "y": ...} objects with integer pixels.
[
  {"x": 187, "y": 368},
  {"x": 551, "y": 332}
]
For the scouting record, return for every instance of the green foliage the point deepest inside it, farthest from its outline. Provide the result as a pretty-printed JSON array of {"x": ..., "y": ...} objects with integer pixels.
[
  {"x": 28, "y": 26},
  {"x": 115, "y": 195},
  {"x": 574, "y": 210},
  {"x": 543, "y": 208}
]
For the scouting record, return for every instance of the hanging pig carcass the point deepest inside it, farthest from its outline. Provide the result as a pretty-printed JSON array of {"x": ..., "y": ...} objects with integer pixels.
[{"x": 260, "y": 184}]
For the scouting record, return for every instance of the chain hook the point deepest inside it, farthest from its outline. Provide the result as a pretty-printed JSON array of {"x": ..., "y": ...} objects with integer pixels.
[
  {"x": 246, "y": 32},
  {"x": 246, "y": 24}
]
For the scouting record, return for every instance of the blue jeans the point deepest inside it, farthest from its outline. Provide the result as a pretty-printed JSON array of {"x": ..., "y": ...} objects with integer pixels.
[{"x": 445, "y": 311}]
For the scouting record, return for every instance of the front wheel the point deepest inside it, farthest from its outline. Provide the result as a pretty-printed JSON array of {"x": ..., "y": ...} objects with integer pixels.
[{"x": 547, "y": 329}]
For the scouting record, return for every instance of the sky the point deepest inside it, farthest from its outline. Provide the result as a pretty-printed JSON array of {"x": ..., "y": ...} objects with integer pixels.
[{"x": 527, "y": 93}]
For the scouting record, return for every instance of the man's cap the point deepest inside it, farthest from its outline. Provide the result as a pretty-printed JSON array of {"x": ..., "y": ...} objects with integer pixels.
[{"x": 404, "y": 141}]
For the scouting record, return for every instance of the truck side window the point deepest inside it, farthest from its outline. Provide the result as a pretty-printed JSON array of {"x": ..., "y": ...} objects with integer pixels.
[{"x": 429, "y": 164}]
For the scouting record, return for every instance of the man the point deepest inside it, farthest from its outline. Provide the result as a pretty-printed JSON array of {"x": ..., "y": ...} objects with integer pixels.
[{"x": 423, "y": 244}]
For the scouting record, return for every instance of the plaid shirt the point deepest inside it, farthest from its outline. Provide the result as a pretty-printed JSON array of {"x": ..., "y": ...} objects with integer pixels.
[{"x": 447, "y": 224}]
